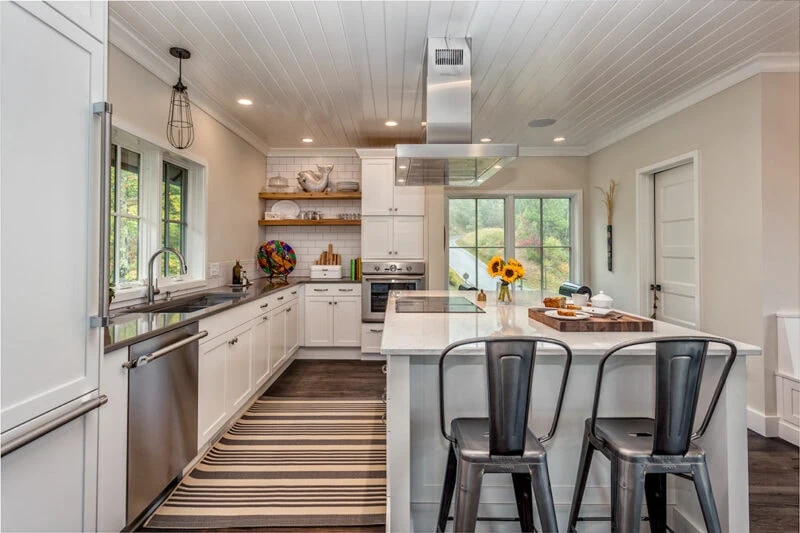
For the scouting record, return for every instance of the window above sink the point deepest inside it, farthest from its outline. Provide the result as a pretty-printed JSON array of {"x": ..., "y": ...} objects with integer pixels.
[{"x": 157, "y": 199}]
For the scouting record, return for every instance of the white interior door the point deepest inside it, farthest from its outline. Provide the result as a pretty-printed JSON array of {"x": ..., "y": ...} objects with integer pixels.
[{"x": 675, "y": 261}]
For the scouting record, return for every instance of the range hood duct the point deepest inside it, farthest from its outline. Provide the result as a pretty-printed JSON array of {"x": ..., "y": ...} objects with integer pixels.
[{"x": 449, "y": 157}]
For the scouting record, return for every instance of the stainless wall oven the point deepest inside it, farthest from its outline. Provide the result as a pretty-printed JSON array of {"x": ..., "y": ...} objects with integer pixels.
[{"x": 380, "y": 278}]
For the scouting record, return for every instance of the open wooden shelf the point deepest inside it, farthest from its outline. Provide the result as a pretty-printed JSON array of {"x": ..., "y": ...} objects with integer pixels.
[
  {"x": 299, "y": 222},
  {"x": 310, "y": 195}
]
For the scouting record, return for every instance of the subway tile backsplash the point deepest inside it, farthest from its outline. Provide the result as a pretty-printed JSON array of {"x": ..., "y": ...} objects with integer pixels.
[{"x": 310, "y": 242}]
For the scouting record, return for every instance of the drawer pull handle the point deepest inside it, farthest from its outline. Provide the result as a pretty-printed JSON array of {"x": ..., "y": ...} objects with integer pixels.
[
  {"x": 346, "y": 290},
  {"x": 280, "y": 298},
  {"x": 294, "y": 292},
  {"x": 320, "y": 290},
  {"x": 372, "y": 330},
  {"x": 44, "y": 429},
  {"x": 288, "y": 309},
  {"x": 233, "y": 341},
  {"x": 265, "y": 305}
]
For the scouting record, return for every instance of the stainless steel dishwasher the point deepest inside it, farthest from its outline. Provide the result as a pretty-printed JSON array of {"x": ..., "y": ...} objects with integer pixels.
[{"x": 162, "y": 413}]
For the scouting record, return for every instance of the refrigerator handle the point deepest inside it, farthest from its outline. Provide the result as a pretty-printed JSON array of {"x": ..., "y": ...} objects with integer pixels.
[{"x": 104, "y": 110}]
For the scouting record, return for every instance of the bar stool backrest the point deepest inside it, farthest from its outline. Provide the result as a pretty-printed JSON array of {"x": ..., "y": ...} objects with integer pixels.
[
  {"x": 509, "y": 373},
  {"x": 678, "y": 373},
  {"x": 679, "y": 370}
]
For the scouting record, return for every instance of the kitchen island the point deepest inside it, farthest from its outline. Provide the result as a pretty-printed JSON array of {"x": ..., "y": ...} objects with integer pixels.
[{"x": 417, "y": 452}]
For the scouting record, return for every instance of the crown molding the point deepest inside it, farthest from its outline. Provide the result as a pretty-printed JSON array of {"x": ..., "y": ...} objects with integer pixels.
[
  {"x": 553, "y": 151},
  {"x": 311, "y": 152},
  {"x": 124, "y": 38},
  {"x": 758, "y": 64}
]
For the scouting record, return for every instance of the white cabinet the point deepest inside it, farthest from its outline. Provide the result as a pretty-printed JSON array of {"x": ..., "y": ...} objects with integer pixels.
[
  {"x": 371, "y": 334},
  {"x": 277, "y": 338},
  {"x": 52, "y": 72},
  {"x": 409, "y": 236},
  {"x": 392, "y": 238},
  {"x": 55, "y": 128},
  {"x": 335, "y": 319},
  {"x": 318, "y": 323},
  {"x": 261, "y": 366},
  {"x": 380, "y": 196},
  {"x": 211, "y": 384},
  {"x": 240, "y": 365},
  {"x": 347, "y": 321}
]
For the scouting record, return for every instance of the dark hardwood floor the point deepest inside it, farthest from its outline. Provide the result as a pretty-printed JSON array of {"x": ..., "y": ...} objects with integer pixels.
[
  {"x": 774, "y": 479},
  {"x": 773, "y": 463}
]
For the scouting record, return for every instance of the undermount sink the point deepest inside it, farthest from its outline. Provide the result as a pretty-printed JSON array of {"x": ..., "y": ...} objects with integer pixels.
[{"x": 187, "y": 305}]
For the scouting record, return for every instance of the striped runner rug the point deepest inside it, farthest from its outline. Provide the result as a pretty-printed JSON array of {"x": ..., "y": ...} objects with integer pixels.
[{"x": 288, "y": 463}]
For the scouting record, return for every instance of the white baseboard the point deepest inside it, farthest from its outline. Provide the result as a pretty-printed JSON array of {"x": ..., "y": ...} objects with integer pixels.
[
  {"x": 329, "y": 353},
  {"x": 766, "y": 426},
  {"x": 789, "y": 432},
  {"x": 372, "y": 357}
]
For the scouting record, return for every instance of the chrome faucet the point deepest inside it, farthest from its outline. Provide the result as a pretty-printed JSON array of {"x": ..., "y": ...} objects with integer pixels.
[{"x": 152, "y": 290}]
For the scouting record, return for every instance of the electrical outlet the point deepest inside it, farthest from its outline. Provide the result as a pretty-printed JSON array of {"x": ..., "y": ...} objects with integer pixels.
[{"x": 213, "y": 270}]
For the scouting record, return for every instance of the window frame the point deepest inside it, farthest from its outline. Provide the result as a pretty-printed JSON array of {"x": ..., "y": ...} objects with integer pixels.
[
  {"x": 152, "y": 159},
  {"x": 117, "y": 214},
  {"x": 576, "y": 220},
  {"x": 166, "y": 220}
]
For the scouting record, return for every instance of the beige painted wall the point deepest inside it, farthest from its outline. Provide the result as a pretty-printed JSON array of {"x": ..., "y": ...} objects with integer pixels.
[
  {"x": 525, "y": 174},
  {"x": 738, "y": 208},
  {"x": 780, "y": 174},
  {"x": 235, "y": 171}
]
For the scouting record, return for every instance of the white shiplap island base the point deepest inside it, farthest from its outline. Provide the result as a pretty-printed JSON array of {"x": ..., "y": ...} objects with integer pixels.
[{"x": 417, "y": 452}]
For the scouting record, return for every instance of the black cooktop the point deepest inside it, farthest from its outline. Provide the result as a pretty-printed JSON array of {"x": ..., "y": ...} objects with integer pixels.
[{"x": 436, "y": 304}]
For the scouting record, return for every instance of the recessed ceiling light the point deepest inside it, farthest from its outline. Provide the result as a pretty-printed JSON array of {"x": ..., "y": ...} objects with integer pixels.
[
  {"x": 559, "y": 140},
  {"x": 390, "y": 123},
  {"x": 486, "y": 140},
  {"x": 541, "y": 122},
  {"x": 245, "y": 101},
  {"x": 498, "y": 167},
  {"x": 402, "y": 167},
  {"x": 307, "y": 140},
  {"x": 423, "y": 123}
]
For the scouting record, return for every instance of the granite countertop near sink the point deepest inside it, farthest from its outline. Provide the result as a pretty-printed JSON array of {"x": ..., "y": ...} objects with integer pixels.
[{"x": 129, "y": 328}]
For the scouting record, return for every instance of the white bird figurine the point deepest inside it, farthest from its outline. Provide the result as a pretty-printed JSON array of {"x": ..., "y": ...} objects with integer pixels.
[{"x": 315, "y": 181}]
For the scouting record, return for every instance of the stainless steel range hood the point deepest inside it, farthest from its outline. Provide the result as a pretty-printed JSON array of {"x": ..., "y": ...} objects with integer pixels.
[{"x": 449, "y": 157}]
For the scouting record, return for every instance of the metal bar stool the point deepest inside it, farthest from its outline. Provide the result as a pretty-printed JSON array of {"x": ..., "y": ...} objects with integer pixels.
[
  {"x": 501, "y": 443},
  {"x": 643, "y": 451}
]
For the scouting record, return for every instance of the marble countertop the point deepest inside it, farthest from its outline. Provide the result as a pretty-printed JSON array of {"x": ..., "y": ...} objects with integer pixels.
[
  {"x": 430, "y": 333},
  {"x": 126, "y": 329}
]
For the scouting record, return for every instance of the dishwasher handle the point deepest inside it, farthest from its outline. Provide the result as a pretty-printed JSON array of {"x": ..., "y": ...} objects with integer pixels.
[{"x": 161, "y": 352}]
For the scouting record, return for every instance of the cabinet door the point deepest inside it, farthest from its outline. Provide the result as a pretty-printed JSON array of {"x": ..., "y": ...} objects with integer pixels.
[
  {"x": 52, "y": 128},
  {"x": 277, "y": 338},
  {"x": 377, "y": 186},
  {"x": 319, "y": 321},
  {"x": 51, "y": 483},
  {"x": 292, "y": 329},
  {"x": 347, "y": 321},
  {"x": 409, "y": 238},
  {"x": 90, "y": 15},
  {"x": 409, "y": 201},
  {"x": 240, "y": 353},
  {"x": 211, "y": 383},
  {"x": 261, "y": 366},
  {"x": 376, "y": 238}
]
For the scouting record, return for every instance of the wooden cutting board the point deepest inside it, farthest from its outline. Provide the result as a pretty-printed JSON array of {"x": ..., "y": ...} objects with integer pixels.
[{"x": 627, "y": 323}]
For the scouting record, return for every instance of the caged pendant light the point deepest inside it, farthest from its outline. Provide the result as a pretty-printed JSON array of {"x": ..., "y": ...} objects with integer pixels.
[{"x": 180, "y": 129}]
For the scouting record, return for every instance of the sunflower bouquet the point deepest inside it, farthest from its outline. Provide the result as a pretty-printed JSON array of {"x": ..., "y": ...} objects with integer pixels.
[{"x": 508, "y": 271}]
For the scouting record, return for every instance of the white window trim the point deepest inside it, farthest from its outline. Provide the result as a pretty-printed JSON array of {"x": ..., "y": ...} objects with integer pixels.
[
  {"x": 576, "y": 220},
  {"x": 150, "y": 178}
]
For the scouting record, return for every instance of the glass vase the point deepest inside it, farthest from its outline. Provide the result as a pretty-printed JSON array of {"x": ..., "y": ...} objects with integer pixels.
[{"x": 505, "y": 293}]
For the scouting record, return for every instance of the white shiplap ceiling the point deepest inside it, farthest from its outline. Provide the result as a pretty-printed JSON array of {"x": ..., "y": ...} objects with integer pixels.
[{"x": 336, "y": 71}]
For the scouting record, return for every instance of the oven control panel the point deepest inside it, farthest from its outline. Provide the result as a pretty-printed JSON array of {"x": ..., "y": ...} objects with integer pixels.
[{"x": 394, "y": 267}]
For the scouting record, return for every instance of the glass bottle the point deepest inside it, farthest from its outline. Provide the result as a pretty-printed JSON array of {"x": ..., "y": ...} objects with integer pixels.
[{"x": 237, "y": 273}]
